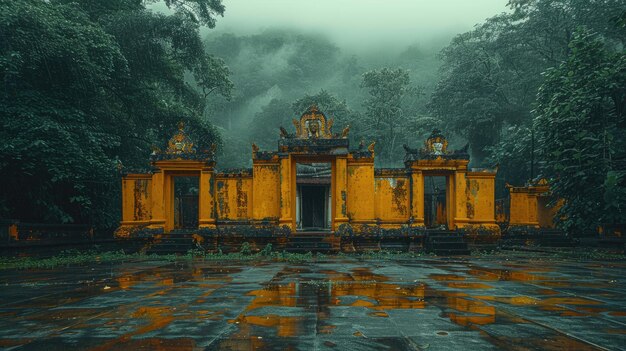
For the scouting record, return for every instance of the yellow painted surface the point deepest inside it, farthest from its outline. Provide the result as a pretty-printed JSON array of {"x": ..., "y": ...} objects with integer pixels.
[
  {"x": 158, "y": 200},
  {"x": 460, "y": 200},
  {"x": 233, "y": 198},
  {"x": 13, "y": 232},
  {"x": 206, "y": 199},
  {"x": 480, "y": 195},
  {"x": 266, "y": 191},
  {"x": 392, "y": 199},
  {"x": 361, "y": 196},
  {"x": 360, "y": 193},
  {"x": 340, "y": 188},
  {"x": 136, "y": 198},
  {"x": 525, "y": 209},
  {"x": 417, "y": 206},
  {"x": 286, "y": 192}
]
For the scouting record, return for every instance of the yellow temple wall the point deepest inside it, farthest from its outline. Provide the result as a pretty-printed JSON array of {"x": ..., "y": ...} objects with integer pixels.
[
  {"x": 529, "y": 206},
  {"x": 233, "y": 194},
  {"x": 480, "y": 192},
  {"x": 392, "y": 200},
  {"x": 360, "y": 198},
  {"x": 136, "y": 198},
  {"x": 523, "y": 209},
  {"x": 266, "y": 191}
]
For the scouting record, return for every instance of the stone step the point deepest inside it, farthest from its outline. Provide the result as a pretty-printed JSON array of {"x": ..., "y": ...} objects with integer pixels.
[{"x": 446, "y": 242}]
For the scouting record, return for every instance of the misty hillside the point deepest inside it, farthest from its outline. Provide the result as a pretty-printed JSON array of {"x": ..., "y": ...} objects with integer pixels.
[{"x": 274, "y": 68}]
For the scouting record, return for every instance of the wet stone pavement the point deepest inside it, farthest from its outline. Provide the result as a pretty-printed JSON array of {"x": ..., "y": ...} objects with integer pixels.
[{"x": 507, "y": 301}]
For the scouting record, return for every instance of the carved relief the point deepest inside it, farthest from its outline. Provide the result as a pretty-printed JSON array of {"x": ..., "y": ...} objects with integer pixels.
[
  {"x": 436, "y": 144},
  {"x": 313, "y": 125},
  {"x": 180, "y": 143}
]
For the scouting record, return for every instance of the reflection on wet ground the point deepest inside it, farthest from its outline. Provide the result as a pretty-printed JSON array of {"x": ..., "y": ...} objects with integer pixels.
[{"x": 493, "y": 303}]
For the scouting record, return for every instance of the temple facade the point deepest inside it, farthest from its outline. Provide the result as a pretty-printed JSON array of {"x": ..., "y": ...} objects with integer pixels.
[{"x": 314, "y": 181}]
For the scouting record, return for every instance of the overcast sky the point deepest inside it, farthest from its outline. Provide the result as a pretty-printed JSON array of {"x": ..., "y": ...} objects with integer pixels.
[{"x": 361, "y": 23}]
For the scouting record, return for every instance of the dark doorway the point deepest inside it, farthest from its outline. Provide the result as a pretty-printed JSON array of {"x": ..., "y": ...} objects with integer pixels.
[
  {"x": 435, "y": 209},
  {"x": 313, "y": 198},
  {"x": 186, "y": 202},
  {"x": 313, "y": 206}
]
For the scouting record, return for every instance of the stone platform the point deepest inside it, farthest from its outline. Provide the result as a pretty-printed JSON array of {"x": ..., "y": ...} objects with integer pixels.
[{"x": 500, "y": 302}]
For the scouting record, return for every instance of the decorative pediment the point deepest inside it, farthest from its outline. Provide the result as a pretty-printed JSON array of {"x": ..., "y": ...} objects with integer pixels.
[
  {"x": 313, "y": 125},
  {"x": 180, "y": 143},
  {"x": 436, "y": 144},
  {"x": 435, "y": 147},
  {"x": 181, "y": 147}
]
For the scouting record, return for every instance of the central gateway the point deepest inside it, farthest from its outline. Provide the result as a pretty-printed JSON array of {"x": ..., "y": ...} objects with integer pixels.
[{"x": 313, "y": 197}]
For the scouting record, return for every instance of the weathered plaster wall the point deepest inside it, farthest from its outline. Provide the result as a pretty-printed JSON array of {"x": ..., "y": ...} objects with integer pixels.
[
  {"x": 266, "y": 191},
  {"x": 392, "y": 199},
  {"x": 523, "y": 209},
  {"x": 136, "y": 198},
  {"x": 529, "y": 206},
  {"x": 480, "y": 195},
  {"x": 233, "y": 194},
  {"x": 360, "y": 200}
]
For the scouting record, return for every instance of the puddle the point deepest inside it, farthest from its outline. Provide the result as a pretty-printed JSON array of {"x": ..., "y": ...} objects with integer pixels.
[{"x": 344, "y": 307}]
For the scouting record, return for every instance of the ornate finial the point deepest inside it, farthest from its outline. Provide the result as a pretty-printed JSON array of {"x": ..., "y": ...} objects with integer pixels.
[
  {"x": 346, "y": 130},
  {"x": 255, "y": 148},
  {"x": 181, "y": 125},
  {"x": 409, "y": 150},
  {"x": 371, "y": 147},
  {"x": 313, "y": 108},
  {"x": 329, "y": 126},
  {"x": 283, "y": 132}
]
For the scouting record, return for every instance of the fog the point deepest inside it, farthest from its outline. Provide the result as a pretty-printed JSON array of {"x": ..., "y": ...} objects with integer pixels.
[
  {"x": 280, "y": 51},
  {"x": 362, "y": 25}
]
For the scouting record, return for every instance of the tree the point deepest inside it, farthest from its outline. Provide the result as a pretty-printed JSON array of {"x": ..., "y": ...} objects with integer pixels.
[
  {"x": 387, "y": 87},
  {"x": 274, "y": 64},
  {"x": 265, "y": 125},
  {"x": 581, "y": 129},
  {"x": 88, "y": 85},
  {"x": 56, "y": 66},
  {"x": 490, "y": 75},
  {"x": 328, "y": 103}
]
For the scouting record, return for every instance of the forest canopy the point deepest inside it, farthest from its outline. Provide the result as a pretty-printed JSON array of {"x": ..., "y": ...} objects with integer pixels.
[{"x": 89, "y": 86}]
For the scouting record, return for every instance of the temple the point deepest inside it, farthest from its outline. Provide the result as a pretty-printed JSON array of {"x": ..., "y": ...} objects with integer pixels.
[{"x": 314, "y": 181}]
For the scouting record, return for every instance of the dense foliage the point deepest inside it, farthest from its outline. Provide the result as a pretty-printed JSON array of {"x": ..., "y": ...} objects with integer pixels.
[
  {"x": 581, "y": 127},
  {"x": 490, "y": 75},
  {"x": 562, "y": 59},
  {"x": 89, "y": 86}
]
